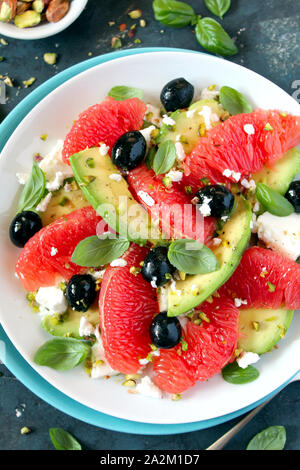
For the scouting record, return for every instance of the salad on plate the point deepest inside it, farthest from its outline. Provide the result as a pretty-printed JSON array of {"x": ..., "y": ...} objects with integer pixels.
[{"x": 160, "y": 244}]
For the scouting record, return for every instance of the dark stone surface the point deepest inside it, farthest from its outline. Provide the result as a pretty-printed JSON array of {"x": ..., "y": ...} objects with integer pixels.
[{"x": 268, "y": 35}]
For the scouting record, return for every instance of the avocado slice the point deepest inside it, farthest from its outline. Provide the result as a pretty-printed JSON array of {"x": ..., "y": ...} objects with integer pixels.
[
  {"x": 110, "y": 198},
  {"x": 67, "y": 325},
  {"x": 280, "y": 176},
  {"x": 194, "y": 290},
  {"x": 261, "y": 329},
  {"x": 189, "y": 128}
]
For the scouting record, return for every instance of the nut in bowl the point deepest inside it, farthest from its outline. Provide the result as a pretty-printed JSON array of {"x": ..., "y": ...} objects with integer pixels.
[{"x": 36, "y": 19}]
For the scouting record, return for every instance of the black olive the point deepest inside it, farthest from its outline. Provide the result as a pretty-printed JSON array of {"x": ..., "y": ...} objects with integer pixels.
[
  {"x": 219, "y": 199},
  {"x": 177, "y": 94},
  {"x": 24, "y": 226},
  {"x": 81, "y": 292},
  {"x": 129, "y": 150},
  {"x": 157, "y": 269},
  {"x": 293, "y": 195},
  {"x": 165, "y": 332}
]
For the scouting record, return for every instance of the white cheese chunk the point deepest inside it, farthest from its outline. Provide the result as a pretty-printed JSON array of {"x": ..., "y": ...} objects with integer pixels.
[
  {"x": 103, "y": 149},
  {"x": 146, "y": 198},
  {"x": 208, "y": 116},
  {"x": 147, "y": 134},
  {"x": 249, "y": 129},
  {"x": 180, "y": 151},
  {"x": 281, "y": 234},
  {"x": 247, "y": 359},
  {"x": 121, "y": 263},
  {"x": 43, "y": 204},
  {"x": 148, "y": 388},
  {"x": 175, "y": 175},
  {"x": 168, "y": 121},
  {"x": 54, "y": 167},
  {"x": 51, "y": 301}
]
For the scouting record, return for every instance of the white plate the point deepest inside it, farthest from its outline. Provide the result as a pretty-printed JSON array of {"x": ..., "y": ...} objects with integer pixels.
[
  {"x": 54, "y": 115},
  {"x": 45, "y": 29}
]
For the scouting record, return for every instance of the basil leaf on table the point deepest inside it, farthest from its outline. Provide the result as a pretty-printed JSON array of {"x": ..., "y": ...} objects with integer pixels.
[
  {"x": 214, "y": 38},
  {"x": 97, "y": 251},
  {"x": 164, "y": 158},
  {"x": 61, "y": 353},
  {"x": 120, "y": 93},
  {"x": 272, "y": 201},
  {"x": 234, "y": 374},
  {"x": 272, "y": 438},
  {"x": 173, "y": 13},
  {"x": 233, "y": 101},
  {"x": 33, "y": 190},
  {"x": 218, "y": 7},
  {"x": 192, "y": 257},
  {"x": 63, "y": 440}
]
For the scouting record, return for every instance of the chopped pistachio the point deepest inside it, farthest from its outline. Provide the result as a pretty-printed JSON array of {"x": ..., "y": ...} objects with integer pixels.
[
  {"x": 137, "y": 41},
  {"x": 25, "y": 430},
  {"x": 182, "y": 275},
  {"x": 132, "y": 376},
  {"x": 43, "y": 136},
  {"x": 255, "y": 325},
  {"x": 129, "y": 383},
  {"x": 167, "y": 182},
  {"x": 176, "y": 397},
  {"x": 204, "y": 317},
  {"x": 211, "y": 87},
  {"x": 90, "y": 162},
  {"x": 184, "y": 344},
  {"x": 142, "y": 23},
  {"x": 111, "y": 23},
  {"x": 135, "y": 271},
  {"x": 135, "y": 14},
  {"x": 271, "y": 286},
  {"x": 27, "y": 19},
  {"x": 268, "y": 127},
  {"x": 64, "y": 201},
  {"x": 197, "y": 321},
  {"x": 50, "y": 58},
  {"x": 1, "y": 58},
  {"x": 188, "y": 190},
  {"x": 3, "y": 42},
  {"x": 153, "y": 347},
  {"x": 116, "y": 42},
  {"x": 29, "y": 82},
  {"x": 7, "y": 80}
]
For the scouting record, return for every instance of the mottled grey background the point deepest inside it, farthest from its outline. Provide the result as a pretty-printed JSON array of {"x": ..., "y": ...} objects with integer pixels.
[{"x": 268, "y": 36}]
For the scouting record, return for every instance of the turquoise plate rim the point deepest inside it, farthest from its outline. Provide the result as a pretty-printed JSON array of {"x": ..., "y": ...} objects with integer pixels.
[{"x": 16, "y": 363}]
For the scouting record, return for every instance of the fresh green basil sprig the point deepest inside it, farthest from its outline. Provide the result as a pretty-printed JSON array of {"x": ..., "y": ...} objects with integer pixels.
[
  {"x": 33, "y": 190},
  {"x": 272, "y": 438},
  {"x": 209, "y": 33},
  {"x": 62, "y": 353},
  {"x": 63, "y": 440},
  {"x": 233, "y": 101},
  {"x": 214, "y": 38},
  {"x": 192, "y": 257},
  {"x": 120, "y": 93},
  {"x": 164, "y": 158},
  {"x": 98, "y": 251},
  {"x": 272, "y": 201},
  {"x": 234, "y": 374},
  {"x": 218, "y": 7},
  {"x": 173, "y": 13}
]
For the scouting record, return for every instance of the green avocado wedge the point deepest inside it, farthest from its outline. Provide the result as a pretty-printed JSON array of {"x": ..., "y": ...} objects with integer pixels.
[
  {"x": 110, "y": 196},
  {"x": 188, "y": 124},
  {"x": 68, "y": 324},
  {"x": 194, "y": 290},
  {"x": 261, "y": 329},
  {"x": 280, "y": 176}
]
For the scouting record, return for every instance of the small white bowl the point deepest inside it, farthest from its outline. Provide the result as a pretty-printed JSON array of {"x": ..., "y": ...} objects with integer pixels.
[{"x": 44, "y": 30}]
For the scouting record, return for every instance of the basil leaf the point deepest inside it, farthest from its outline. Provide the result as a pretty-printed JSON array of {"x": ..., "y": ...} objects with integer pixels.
[
  {"x": 173, "y": 13},
  {"x": 61, "y": 353},
  {"x": 218, "y": 7},
  {"x": 33, "y": 190},
  {"x": 234, "y": 374},
  {"x": 272, "y": 201},
  {"x": 272, "y": 438},
  {"x": 233, "y": 101},
  {"x": 63, "y": 440},
  {"x": 121, "y": 93},
  {"x": 192, "y": 257},
  {"x": 164, "y": 158},
  {"x": 97, "y": 251},
  {"x": 214, "y": 38}
]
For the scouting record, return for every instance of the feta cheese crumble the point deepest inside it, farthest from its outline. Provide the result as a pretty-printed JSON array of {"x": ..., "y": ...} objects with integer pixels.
[
  {"x": 204, "y": 208},
  {"x": 119, "y": 262},
  {"x": 85, "y": 327},
  {"x": 103, "y": 149},
  {"x": 180, "y": 151},
  {"x": 281, "y": 234},
  {"x": 147, "y": 134},
  {"x": 249, "y": 129},
  {"x": 248, "y": 184},
  {"x": 22, "y": 177},
  {"x": 148, "y": 388},
  {"x": 232, "y": 174},
  {"x": 51, "y": 301},
  {"x": 100, "y": 367},
  {"x": 217, "y": 241},
  {"x": 153, "y": 115},
  {"x": 207, "y": 94},
  {"x": 175, "y": 175},
  {"x": 54, "y": 167},
  {"x": 43, "y": 204},
  {"x": 246, "y": 359},
  {"x": 116, "y": 177},
  {"x": 53, "y": 251},
  {"x": 168, "y": 121},
  {"x": 239, "y": 302},
  {"x": 208, "y": 116},
  {"x": 146, "y": 198},
  {"x": 190, "y": 113}
]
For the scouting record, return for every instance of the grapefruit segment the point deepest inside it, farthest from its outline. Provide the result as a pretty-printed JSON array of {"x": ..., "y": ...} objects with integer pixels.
[
  {"x": 246, "y": 150},
  {"x": 265, "y": 279},
  {"x": 210, "y": 347},
  {"x": 127, "y": 305},
  {"x": 104, "y": 122},
  {"x": 46, "y": 257},
  {"x": 171, "y": 207}
]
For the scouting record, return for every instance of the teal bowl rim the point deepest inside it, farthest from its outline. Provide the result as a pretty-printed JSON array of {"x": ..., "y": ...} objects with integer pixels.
[{"x": 17, "y": 364}]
